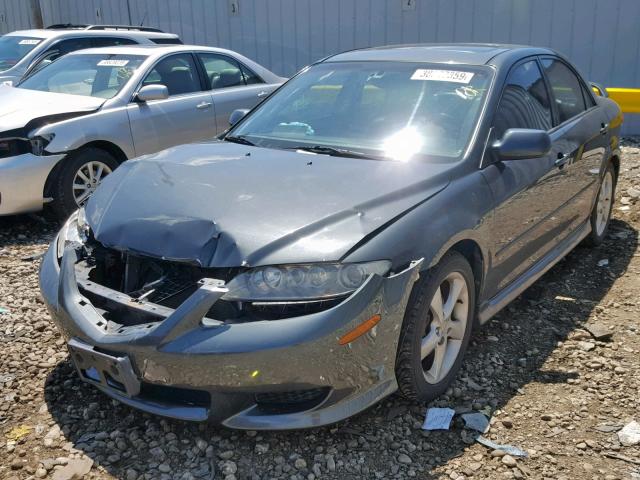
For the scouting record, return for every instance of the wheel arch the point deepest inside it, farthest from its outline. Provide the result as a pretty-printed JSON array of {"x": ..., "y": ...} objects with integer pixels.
[
  {"x": 109, "y": 147},
  {"x": 615, "y": 161}
]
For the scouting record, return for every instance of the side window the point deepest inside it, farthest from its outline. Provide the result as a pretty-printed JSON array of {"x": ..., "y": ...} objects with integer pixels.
[
  {"x": 111, "y": 41},
  {"x": 73, "y": 44},
  {"x": 588, "y": 99},
  {"x": 567, "y": 89},
  {"x": 59, "y": 49},
  {"x": 177, "y": 72},
  {"x": 223, "y": 72},
  {"x": 250, "y": 78},
  {"x": 525, "y": 101}
]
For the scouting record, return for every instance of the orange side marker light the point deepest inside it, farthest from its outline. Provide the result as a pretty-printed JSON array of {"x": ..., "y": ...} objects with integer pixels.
[{"x": 360, "y": 330}]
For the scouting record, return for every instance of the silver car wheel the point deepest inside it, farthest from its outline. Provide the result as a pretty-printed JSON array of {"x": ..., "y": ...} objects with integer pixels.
[
  {"x": 449, "y": 312},
  {"x": 87, "y": 179},
  {"x": 603, "y": 207}
]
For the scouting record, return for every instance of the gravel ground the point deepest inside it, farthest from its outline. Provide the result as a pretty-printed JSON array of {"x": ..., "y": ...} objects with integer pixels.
[{"x": 551, "y": 387}]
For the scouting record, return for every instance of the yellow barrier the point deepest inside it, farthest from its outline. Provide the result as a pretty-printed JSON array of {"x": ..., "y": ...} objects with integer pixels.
[{"x": 627, "y": 98}]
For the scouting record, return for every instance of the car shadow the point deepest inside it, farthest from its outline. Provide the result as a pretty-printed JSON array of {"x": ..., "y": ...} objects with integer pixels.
[{"x": 504, "y": 356}]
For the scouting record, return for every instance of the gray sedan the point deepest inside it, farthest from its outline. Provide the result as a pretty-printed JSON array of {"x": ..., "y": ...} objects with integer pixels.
[
  {"x": 67, "y": 126},
  {"x": 341, "y": 241}
]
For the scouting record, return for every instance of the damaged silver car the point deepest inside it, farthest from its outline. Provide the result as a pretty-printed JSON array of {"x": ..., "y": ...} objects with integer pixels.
[
  {"x": 340, "y": 241},
  {"x": 67, "y": 126}
]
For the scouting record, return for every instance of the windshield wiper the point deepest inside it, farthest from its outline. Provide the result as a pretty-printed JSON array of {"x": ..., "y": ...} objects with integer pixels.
[
  {"x": 334, "y": 152},
  {"x": 241, "y": 139}
]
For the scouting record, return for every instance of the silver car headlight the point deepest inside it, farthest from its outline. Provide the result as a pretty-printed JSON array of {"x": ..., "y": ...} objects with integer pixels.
[
  {"x": 302, "y": 282},
  {"x": 75, "y": 230}
]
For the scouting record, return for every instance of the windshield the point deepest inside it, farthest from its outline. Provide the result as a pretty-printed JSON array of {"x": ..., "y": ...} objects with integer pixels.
[
  {"x": 386, "y": 109},
  {"x": 89, "y": 75},
  {"x": 14, "y": 48}
]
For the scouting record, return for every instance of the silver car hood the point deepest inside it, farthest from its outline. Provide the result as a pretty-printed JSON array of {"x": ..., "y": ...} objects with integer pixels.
[
  {"x": 224, "y": 205},
  {"x": 19, "y": 106}
]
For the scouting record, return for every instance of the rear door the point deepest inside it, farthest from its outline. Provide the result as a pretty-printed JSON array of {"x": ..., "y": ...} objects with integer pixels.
[
  {"x": 579, "y": 141},
  {"x": 186, "y": 116},
  {"x": 525, "y": 191},
  {"x": 233, "y": 86}
]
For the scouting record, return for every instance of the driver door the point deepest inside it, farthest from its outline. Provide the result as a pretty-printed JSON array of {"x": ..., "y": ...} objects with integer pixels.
[
  {"x": 186, "y": 116},
  {"x": 527, "y": 193}
]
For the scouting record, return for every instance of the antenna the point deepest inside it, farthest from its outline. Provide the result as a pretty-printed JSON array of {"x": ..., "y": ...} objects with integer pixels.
[{"x": 144, "y": 18}]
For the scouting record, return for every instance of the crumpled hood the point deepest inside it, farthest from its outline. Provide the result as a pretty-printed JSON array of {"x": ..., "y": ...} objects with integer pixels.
[
  {"x": 221, "y": 204},
  {"x": 19, "y": 106}
]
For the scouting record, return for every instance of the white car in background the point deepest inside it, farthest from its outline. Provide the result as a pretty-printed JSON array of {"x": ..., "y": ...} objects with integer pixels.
[
  {"x": 68, "y": 125},
  {"x": 22, "y": 52}
]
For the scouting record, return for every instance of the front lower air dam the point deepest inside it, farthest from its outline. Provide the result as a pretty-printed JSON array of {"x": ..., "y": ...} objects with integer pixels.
[{"x": 260, "y": 375}]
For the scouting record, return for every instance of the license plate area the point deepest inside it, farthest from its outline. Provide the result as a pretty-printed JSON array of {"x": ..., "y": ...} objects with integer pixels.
[{"x": 106, "y": 371}]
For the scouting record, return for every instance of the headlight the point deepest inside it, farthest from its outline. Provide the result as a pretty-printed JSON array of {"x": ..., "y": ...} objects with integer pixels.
[
  {"x": 38, "y": 144},
  {"x": 302, "y": 282},
  {"x": 75, "y": 230}
]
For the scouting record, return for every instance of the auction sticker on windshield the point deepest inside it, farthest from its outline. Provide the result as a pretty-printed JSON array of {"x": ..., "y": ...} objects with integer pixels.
[
  {"x": 29, "y": 41},
  {"x": 112, "y": 63},
  {"x": 457, "y": 76}
]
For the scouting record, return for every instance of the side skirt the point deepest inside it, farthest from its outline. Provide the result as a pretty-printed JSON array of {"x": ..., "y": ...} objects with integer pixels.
[{"x": 492, "y": 306}]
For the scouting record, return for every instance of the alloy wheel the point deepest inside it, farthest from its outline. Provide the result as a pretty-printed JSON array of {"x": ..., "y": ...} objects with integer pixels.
[
  {"x": 603, "y": 207},
  {"x": 87, "y": 179},
  {"x": 449, "y": 314}
]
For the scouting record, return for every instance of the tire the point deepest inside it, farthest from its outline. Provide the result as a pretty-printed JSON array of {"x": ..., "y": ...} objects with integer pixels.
[
  {"x": 601, "y": 212},
  {"x": 413, "y": 382},
  {"x": 64, "y": 201}
]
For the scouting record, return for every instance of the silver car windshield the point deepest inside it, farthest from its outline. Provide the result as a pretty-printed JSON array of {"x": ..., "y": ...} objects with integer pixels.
[
  {"x": 13, "y": 49},
  {"x": 90, "y": 75},
  {"x": 395, "y": 110}
]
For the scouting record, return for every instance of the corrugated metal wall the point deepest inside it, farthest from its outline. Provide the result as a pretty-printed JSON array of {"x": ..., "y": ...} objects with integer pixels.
[
  {"x": 601, "y": 37},
  {"x": 15, "y": 14}
]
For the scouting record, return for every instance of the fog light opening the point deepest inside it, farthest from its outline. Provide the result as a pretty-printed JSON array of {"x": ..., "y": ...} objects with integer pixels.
[{"x": 360, "y": 330}]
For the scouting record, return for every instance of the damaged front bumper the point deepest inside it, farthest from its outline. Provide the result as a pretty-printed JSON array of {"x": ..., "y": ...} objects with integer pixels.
[
  {"x": 22, "y": 181},
  {"x": 269, "y": 374}
]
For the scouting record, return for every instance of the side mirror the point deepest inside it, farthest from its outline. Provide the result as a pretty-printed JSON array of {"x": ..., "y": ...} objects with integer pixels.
[
  {"x": 152, "y": 92},
  {"x": 599, "y": 89},
  {"x": 522, "y": 143},
  {"x": 237, "y": 115}
]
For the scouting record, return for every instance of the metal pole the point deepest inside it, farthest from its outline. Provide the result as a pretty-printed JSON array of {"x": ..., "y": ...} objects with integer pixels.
[{"x": 36, "y": 13}]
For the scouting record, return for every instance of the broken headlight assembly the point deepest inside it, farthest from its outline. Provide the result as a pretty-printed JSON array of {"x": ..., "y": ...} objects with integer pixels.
[
  {"x": 74, "y": 231},
  {"x": 304, "y": 282},
  {"x": 39, "y": 143}
]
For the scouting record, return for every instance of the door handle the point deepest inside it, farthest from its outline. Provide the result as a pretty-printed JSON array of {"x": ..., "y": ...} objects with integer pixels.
[
  {"x": 263, "y": 93},
  {"x": 562, "y": 160},
  {"x": 604, "y": 128},
  {"x": 203, "y": 105}
]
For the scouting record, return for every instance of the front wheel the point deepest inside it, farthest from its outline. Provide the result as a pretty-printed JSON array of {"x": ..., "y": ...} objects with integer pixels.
[
  {"x": 436, "y": 329},
  {"x": 79, "y": 177},
  {"x": 601, "y": 213}
]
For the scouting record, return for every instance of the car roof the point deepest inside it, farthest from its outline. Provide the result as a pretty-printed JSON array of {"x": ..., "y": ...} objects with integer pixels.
[
  {"x": 148, "y": 50},
  {"x": 81, "y": 32},
  {"x": 460, "y": 53}
]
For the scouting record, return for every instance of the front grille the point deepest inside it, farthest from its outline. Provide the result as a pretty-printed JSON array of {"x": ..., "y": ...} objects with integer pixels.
[{"x": 168, "y": 284}]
